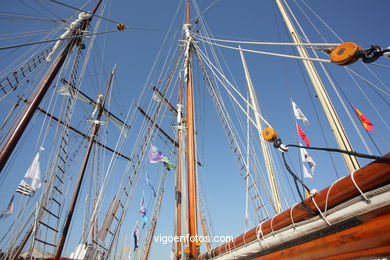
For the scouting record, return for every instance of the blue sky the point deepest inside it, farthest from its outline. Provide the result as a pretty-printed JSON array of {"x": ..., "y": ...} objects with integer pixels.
[{"x": 276, "y": 81}]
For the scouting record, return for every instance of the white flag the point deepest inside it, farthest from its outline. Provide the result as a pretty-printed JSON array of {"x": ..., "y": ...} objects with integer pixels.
[
  {"x": 306, "y": 173},
  {"x": 299, "y": 114},
  {"x": 34, "y": 172},
  {"x": 306, "y": 158}
]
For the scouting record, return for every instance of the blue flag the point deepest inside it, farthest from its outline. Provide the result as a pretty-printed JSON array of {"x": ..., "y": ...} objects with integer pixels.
[{"x": 150, "y": 184}]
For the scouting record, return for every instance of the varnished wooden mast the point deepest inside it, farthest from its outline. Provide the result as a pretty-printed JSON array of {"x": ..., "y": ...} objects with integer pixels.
[
  {"x": 179, "y": 172},
  {"x": 28, "y": 113},
  {"x": 76, "y": 192},
  {"x": 193, "y": 250}
]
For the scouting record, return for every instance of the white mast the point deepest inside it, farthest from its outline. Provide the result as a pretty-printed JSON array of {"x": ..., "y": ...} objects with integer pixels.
[
  {"x": 334, "y": 121},
  {"x": 264, "y": 147}
]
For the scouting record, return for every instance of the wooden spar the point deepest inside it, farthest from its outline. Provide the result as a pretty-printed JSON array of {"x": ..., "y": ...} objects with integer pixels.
[
  {"x": 337, "y": 128},
  {"x": 367, "y": 178},
  {"x": 264, "y": 147},
  {"x": 204, "y": 229},
  {"x": 28, "y": 113},
  {"x": 161, "y": 130},
  {"x": 193, "y": 249},
  {"x": 78, "y": 131},
  {"x": 165, "y": 101},
  {"x": 72, "y": 204},
  {"x": 92, "y": 102},
  {"x": 179, "y": 171},
  {"x": 157, "y": 126},
  {"x": 19, "y": 249},
  {"x": 14, "y": 106}
]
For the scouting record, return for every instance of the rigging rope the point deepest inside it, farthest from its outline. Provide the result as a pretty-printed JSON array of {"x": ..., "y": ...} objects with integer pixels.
[
  {"x": 362, "y": 155},
  {"x": 267, "y": 53},
  {"x": 212, "y": 68},
  {"x": 58, "y": 39},
  {"x": 327, "y": 74},
  {"x": 207, "y": 39}
]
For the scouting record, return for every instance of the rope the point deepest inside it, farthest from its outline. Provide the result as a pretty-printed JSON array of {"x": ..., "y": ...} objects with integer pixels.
[
  {"x": 80, "y": 10},
  {"x": 259, "y": 232},
  {"x": 226, "y": 120},
  {"x": 357, "y": 187},
  {"x": 217, "y": 98},
  {"x": 58, "y": 39},
  {"x": 322, "y": 215},
  {"x": 327, "y": 195},
  {"x": 207, "y": 39},
  {"x": 368, "y": 82},
  {"x": 367, "y": 156},
  {"x": 291, "y": 216},
  {"x": 268, "y": 53},
  {"x": 211, "y": 66}
]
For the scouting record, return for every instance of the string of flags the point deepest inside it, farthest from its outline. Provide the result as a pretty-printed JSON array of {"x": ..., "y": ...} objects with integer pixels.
[
  {"x": 305, "y": 157},
  {"x": 155, "y": 155}
]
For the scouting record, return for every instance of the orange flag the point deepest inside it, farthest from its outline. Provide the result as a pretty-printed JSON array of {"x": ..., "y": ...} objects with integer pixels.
[{"x": 365, "y": 122}]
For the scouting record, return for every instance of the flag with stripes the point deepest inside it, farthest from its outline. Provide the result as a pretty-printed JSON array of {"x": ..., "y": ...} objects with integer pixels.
[{"x": 25, "y": 189}]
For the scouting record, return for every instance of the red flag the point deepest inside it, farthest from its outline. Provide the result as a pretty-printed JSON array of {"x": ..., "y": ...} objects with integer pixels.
[
  {"x": 365, "y": 122},
  {"x": 303, "y": 135}
]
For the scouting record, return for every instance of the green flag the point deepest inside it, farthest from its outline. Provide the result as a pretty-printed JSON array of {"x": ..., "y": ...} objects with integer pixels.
[{"x": 167, "y": 163}]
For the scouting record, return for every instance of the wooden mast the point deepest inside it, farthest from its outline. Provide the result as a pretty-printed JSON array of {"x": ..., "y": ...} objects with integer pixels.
[
  {"x": 13, "y": 139},
  {"x": 40, "y": 92},
  {"x": 76, "y": 192},
  {"x": 179, "y": 170},
  {"x": 193, "y": 250},
  {"x": 334, "y": 121},
  {"x": 266, "y": 154}
]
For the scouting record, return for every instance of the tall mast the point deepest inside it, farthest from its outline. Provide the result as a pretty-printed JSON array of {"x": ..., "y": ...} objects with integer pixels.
[
  {"x": 334, "y": 121},
  {"x": 266, "y": 154},
  {"x": 95, "y": 129},
  {"x": 193, "y": 250},
  {"x": 179, "y": 170},
  {"x": 28, "y": 113}
]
